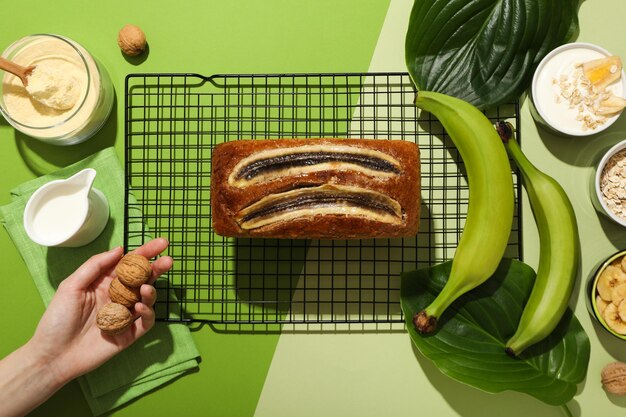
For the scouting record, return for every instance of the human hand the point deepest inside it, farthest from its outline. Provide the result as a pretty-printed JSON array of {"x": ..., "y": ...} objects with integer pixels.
[{"x": 67, "y": 336}]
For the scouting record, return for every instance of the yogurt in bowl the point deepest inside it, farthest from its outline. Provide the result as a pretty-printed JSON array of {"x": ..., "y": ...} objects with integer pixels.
[
  {"x": 87, "y": 111},
  {"x": 562, "y": 100}
]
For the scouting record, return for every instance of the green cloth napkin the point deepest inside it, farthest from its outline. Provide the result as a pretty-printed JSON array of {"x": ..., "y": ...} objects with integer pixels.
[{"x": 166, "y": 352}]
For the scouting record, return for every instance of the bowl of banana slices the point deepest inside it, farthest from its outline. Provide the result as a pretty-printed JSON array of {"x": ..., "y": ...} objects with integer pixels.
[{"x": 607, "y": 295}]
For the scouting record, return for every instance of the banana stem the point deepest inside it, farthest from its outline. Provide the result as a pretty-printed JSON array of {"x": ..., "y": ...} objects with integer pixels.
[
  {"x": 566, "y": 411},
  {"x": 505, "y": 130}
]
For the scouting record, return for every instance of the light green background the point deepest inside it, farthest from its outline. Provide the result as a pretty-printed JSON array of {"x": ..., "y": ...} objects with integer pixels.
[{"x": 364, "y": 373}]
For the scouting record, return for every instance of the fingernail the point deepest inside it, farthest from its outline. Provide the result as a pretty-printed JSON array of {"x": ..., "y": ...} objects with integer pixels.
[{"x": 115, "y": 249}]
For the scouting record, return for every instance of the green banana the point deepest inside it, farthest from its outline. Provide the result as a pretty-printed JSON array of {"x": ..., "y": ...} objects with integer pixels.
[
  {"x": 490, "y": 208},
  {"x": 559, "y": 250}
]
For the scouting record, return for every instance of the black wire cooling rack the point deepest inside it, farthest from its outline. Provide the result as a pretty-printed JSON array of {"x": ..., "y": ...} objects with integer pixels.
[{"x": 172, "y": 123}]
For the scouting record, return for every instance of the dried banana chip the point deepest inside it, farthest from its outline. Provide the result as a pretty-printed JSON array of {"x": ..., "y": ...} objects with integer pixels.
[{"x": 611, "y": 277}]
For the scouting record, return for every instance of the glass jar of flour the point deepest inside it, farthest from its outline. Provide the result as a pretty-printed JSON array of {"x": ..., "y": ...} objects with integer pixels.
[{"x": 60, "y": 127}]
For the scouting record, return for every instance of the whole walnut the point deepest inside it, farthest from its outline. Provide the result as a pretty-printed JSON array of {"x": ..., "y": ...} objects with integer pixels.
[
  {"x": 131, "y": 40},
  {"x": 114, "y": 318},
  {"x": 614, "y": 378},
  {"x": 133, "y": 270},
  {"x": 121, "y": 294}
]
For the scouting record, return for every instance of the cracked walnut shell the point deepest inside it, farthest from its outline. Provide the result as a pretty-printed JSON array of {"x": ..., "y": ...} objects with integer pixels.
[
  {"x": 114, "y": 318},
  {"x": 131, "y": 40},
  {"x": 133, "y": 270},
  {"x": 121, "y": 294}
]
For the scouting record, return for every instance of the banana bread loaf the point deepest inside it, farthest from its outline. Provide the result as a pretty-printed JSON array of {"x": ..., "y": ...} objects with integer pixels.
[{"x": 316, "y": 188}]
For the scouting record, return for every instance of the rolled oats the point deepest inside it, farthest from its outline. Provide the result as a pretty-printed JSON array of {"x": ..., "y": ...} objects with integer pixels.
[
  {"x": 578, "y": 93},
  {"x": 613, "y": 184}
]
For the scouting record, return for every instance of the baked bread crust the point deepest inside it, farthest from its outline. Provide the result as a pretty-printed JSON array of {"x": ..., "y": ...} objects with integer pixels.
[{"x": 228, "y": 200}]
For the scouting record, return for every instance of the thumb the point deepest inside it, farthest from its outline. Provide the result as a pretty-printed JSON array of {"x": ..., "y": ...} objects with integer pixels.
[{"x": 95, "y": 267}]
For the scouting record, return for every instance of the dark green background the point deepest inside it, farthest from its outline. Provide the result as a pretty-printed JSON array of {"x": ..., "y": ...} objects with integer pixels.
[{"x": 206, "y": 37}]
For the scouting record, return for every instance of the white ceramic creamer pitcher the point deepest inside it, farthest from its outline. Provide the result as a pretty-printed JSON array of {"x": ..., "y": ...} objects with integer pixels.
[{"x": 68, "y": 212}]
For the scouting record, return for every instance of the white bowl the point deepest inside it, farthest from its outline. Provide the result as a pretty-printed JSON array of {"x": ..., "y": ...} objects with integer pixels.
[
  {"x": 598, "y": 201},
  {"x": 557, "y": 117}
]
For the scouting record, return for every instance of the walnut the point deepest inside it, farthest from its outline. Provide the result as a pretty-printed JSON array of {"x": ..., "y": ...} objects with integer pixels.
[
  {"x": 131, "y": 40},
  {"x": 133, "y": 270},
  {"x": 114, "y": 318},
  {"x": 121, "y": 294},
  {"x": 614, "y": 378}
]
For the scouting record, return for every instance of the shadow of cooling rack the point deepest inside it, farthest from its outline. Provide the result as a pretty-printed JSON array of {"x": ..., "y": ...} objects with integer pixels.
[{"x": 172, "y": 123}]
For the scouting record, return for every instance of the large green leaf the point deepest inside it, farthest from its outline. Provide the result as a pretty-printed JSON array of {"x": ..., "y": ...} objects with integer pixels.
[
  {"x": 469, "y": 343},
  {"x": 484, "y": 51}
]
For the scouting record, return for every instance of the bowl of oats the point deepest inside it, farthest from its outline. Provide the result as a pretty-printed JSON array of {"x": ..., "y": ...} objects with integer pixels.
[
  {"x": 578, "y": 89},
  {"x": 610, "y": 184}
]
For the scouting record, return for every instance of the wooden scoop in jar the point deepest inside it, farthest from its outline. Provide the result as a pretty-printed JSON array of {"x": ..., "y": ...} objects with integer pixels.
[
  {"x": 19, "y": 71},
  {"x": 51, "y": 87}
]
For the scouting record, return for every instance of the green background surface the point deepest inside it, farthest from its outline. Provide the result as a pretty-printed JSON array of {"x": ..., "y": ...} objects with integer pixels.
[
  {"x": 364, "y": 373},
  {"x": 200, "y": 36}
]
